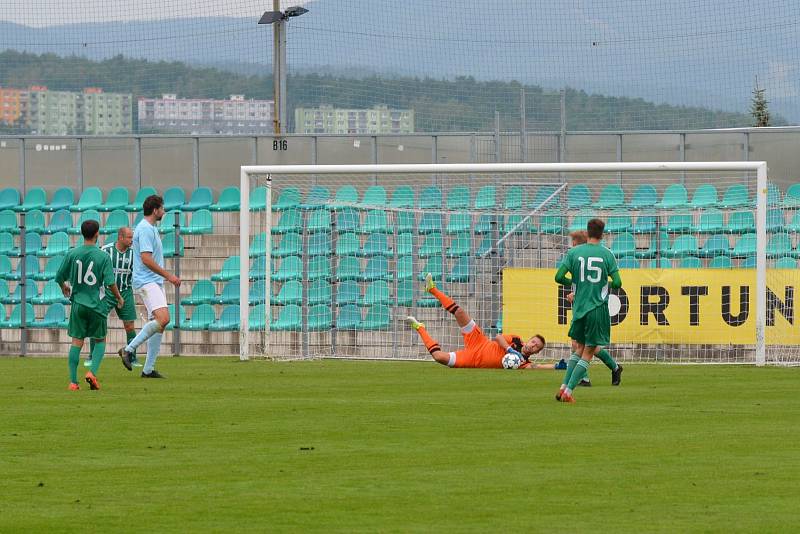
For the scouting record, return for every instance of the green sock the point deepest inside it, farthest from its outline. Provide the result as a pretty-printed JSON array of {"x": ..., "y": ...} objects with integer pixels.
[
  {"x": 98, "y": 352},
  {"x": 91, "y": 347},
  {"x": 74, "y": 359},
  {"x": 607, "y": 359},
  {"x": 573, "y": 360},
  {"x": 128, "y": 336},
  {"x": 581, "y": 368}
]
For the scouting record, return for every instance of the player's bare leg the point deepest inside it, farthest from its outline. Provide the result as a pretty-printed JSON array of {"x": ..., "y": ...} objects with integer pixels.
[
  {"x": 431, "y": 344},
  {"x": 461, "y": 315}
]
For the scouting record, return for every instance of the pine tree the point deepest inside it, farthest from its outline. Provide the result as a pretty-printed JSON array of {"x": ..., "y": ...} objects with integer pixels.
[{"x": 759, "y": 108}]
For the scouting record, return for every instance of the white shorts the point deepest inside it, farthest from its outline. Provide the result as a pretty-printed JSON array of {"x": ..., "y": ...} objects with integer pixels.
[{"x": 153, "y": 298}]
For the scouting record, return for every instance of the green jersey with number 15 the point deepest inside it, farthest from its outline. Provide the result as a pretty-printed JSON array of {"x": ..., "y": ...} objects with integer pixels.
[
  {"x": 88, "y": 271},
  {"x": 590, "y": 266}
]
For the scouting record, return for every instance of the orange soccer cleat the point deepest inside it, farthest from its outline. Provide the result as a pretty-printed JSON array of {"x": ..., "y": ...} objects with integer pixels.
[
  {"x": 566, "y": 397},
  {"x": 92, "y": 381},
  {"x": 73, "y": 386}
]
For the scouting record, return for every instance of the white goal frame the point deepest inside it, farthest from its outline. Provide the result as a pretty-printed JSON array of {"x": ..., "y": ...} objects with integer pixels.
[{"x": 759, "y": 167}]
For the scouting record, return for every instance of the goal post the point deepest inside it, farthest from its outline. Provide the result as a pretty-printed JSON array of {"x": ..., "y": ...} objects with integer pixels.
[{"x": 287, "y": 228}]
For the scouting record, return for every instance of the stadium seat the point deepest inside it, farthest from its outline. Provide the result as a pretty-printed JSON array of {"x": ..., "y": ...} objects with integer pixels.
[
  {"x": 346, "y": 196},
  {"x": 320, "y": 318},
  {"x": 15, "y": 319},
  {"x": 118, "y": 199},
  {"x": 290, "y": 268},
  {"x": 426, "y": 300},
  {"x": 405, "y": 293},
  {"x": 720, "y": 262},
  {"x": 431, "y": 246},
  {"x": 579, "y": 222},
  {"x": 91, "y": 199},
  {"x": 748, "y": 263},
  {"x": 288, "y": 198},
  {"x": 258, "y": 199},
  {"x": 458, "y": 198},
  {"x": 512, "y": 225},
  {"x": 259, "y": 245},
  {"x": 202, "y": 317},
  {"x": 229, "y": 293},
  {"x": 786, "y": 262},
  {"x": 794, "y": 225},
  {"x": 579, "y": 196},
  {"x": 515, "y": 198},
  {"x": 289, "y": 319},
  {"x": 203, "y": 292},
  {"x": 57, "y": 245},
  {"x": 741, "y": 222},
  {"x": 230, "y": 199},
  {"x": 780, "y": 245},
  {"x": 611, "y": 196},
  {"x": 378, "y": 318},
  {"x": 3, "y": 294},
  {"x": 434, "y": 266},
  {"x": 173, "y": 318},
  {"x": 228, "y": 320},
  {"x": 684, "y": 245},
  {"x": 34, "y": 222},
  {"x": 9, "y": 222},
  {"x": 168, "y": 222},
  {"x": 51, "y": 293},
  {"x": 486, "y": 246},
  {"x": 319, "y": 221},
  {"x": 376, "y": 245},
  {"x": 544, "y": 198},
  {"x": 5, "y": 267},
  {"x": 792, "y": 198},
  {"x": 430, "y": 198},
  {"x": 460, "y": 271},
  {"x": 318, "y": 244},
  {"x": 618, "y": 222},
  {"x": 116, "y": 219},
  {"x": 9, "y": 198},
  {"x": 628, "y": 262},
  {"x": 172, "y": 248},
  {"x": 374, "y": 197},
  {"x": 459, "y": 222},
  {"x": 257, "y": 294},
  {"x": 624, "y": 245},
  {"x": 141, "y": 195},
  {"x": 745, "y": 246},
  {"x": 35, "y": 199},
  {"x": 33, "y": 244},
  {"x": 711, "y": 222},
  {"x": 551, "y": 223},
  {"x": 88, "y": 215},
  {"x": 774, "y": 195},
  {"x": 229, "y": 270},
  {"x": 377, "y": 269},
  {"x": 486, "y": 198},
  {"x": 317, "y": 198},
  {"x": 705, "y": 196},
  {"x": 7, "y": 244},
  {"x": 377, "y": 292},
  {"x": 678, "y": 224},
  {"x": 60, "y": 221},
  {"x": 690, "y": 262},
  {"x": 258, "y": 268},
  {"x": 319, "y": 292},
  {"x": 460, "y": 245},
  {"x": 63, "y": 199},
  {"x": 201, "y": 223},
  {"x": 291, "y": 220},
  {"x": 50, "y": 269},
  {"x": 487, "y": 223},
  {"x": 716, "y": 245},
  {"x": 775, "y": 220},
  {"x": 736, "y": 196},
  {"x": 402, "y": 197},
  {"x": 138, "y": 218},
  {"x": 675, "y": 197},
  {"x": 347, "y": 220},
  {"x": 54, "y": 317},
  {"x": 31, "y": 292},
  {"x": 376, "y": 222},
  {"x": 405, "y": 267},
  {"x": 645, "y": 196},
  {"x": 290, "y": 244},
  {"x": 319, "y": 268},
  {"x": 660, "y": 263},
  {"x": 348, "y": 292},
  {"x": 202, "y": 198},
  {"x": 258, "y": 318},
  {"x": 348, "y": 268},
  {"x": 430, "y": 223},
  {"x": 404, "y": 244},
  {"x": 349, "y": 317},
  {"x": 290, "y": 292},
  {"x": 348, "y": 245},
  {"x": 174, "y": 198},
  {"x": 406, "y": 221}
]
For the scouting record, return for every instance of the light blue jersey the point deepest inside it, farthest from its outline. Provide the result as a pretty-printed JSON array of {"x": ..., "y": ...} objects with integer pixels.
[{"x": 146, "y": 239}]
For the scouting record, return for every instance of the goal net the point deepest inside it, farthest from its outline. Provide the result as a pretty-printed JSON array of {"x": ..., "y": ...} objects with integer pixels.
[{"x": 332, "y": 258}]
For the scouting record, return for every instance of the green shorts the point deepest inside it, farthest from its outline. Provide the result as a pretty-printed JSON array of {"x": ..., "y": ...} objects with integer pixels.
[
  {"x": 86, "y": 322},
  {"x": 128, "y": 310},
  {"x": 593, "y": 329}
]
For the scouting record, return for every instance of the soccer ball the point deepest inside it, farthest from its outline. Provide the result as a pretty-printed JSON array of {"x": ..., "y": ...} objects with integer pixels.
[{"x": 511, "y": 361}]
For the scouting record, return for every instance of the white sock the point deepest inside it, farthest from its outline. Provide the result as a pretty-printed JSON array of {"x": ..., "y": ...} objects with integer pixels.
[
  {"x": 144, "y": 334},
  {"x": 153, "y": 346}
]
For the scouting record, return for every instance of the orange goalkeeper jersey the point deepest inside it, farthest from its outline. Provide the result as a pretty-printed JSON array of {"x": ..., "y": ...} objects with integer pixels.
[{"x": 482, "y": 352}]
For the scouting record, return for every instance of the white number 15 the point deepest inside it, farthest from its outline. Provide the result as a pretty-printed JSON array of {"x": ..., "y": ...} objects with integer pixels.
[{"x": 592, "y": 268}]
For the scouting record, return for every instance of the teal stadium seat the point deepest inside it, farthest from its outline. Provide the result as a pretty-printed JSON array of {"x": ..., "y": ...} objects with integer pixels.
[
  {"x": 259, "y": 245},
  {"x": 348, "y": 245},
  {"x": 9, "y": 198},
  {"x": 435, "y": 266},
  {"x": 461, "y": 270},
  {"x": 774, "y": 195},
  {"x": 376, "y": 222},
  {"x": 786, "y": 262},
  {"x": 780, "y": 245},
  {"x": 458, "y": 223},
  {"x": 460, "y": 245},
  {"x": 35, "y": 199},
  {"x": 705, "y": 196},
  {"x": 645, "y": 196},
  {"x": 347, "y": 220},
  {"x": 431, "y": 246},
  {"x": 9, "y": 222},
  {"x": 141, "y": 195},
  {"x": 320, "y": 318},
  {"x": 794, "y": 225},
  {"x": 376, "y": 245},
  {"x": 748, "y": 263},
  {"x": 34, "y": 222},
  {"x": 15, "y": 319},
  {"x": 288, "y": 198},
  {"x": 348, "y": 318},
  {"x": 202, "y": 198},
  {"x": 430, "y": 198},
  {"x": 660, "y": 263},
  {"x": 230, "y": 199},
  {"x": 258, "y": 199},
  {"x": 406, "y": 221},
  {"x": 228, "y": 320},
  {"x": 745, "y": 246},
  {"x": 348, "y": 268},
  {"x": 430, "y": 223},
  {"x": 711, "y": 222},
  {"x": 290, "y": 292},
  {"x": 118, "y": 199},
  {"x": 63, "y": 199},
  {"x": 624, "y": 245},
  {"x": 317, "y": 198},
  {"x": 404, "y": 244},
  {"x": 318, "y": 245},
  {"x": 486, "y": 198},
  {"x": 290, "y": 244},
  {"x": 736, "y": 196},
  {"x": 319, "y": 221},
  {"x": 54, "y": 317},
  {"x": 374, "y": 197},
  {"x": 405, "y": 268},
  {"x": 348, "y": 292},
  {"x": 458, "y": 198},
  {"x": 775, "y": 221},
  {"x": 377, "y": 292},
  {"x": 88, "y": 215},
  {"x": 515, "y": 198},
  {"x": 289, "y": 319},
  {"x": 611, "y": 196},
  {"x": 50, "y": 269},
  {"x": 291, "y": 220},
  {"x": 741, "y": 222},
  {"x": 720, "y": 262},
  {"x": 57, "y": 245},
  {"x": 202, "y": 317},
  {"x": 628, "y": 262},
  {"x": 684, "y": 245},
  {"x": 91, "y": 199},
  {"x": 402, "y": 198},
  {"x": 31, "y": 292},
  {"x": 174, "y": 198},
  {"x": 60, "y": 221},
  {"x": 487, "y": 223},
  {"x": 377, "y": 268},
  {"x": 346, "y": 195},
  {"x": 405, "y": 293},
  {"x": 319, "y": 292},
  {"x": 792, "y": 198},
  {"x": 258, "y": 318},
  {"x": 579, "y": 196},
  {"x": 618, "y": 222},
  {"x": 675, "y": 197},
  {"x": 580, "y": 221},
  {"x": 551, "y": 223},
  {"x": 679, "y": 223},
  {"x": 116, "y": 219},
  {"x": 171, "y": 247},
  {"x": 319, "y": 268},
  {"x": 7, "y": 244},
  {"x": 5, "y": 268},
  {"x": 201, "y": 223},
  {"x": 378, "y": 317},
  {"x": 203, "y": 292},
  {"x": 290, "y": 268},
  {"x": 716, "y": 245},
  {"x": 229, "y": 270},
  {"x": 51, "y": 293},
  {"x": 544, "y": 197},
  {"x": 257, "y": 294},
  {"x": 229, "y": 293},
  {"x": 690, "y": 262}
]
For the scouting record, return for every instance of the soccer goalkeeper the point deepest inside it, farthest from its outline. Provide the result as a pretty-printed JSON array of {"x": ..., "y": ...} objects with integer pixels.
[{"x": 479, "y": 351}]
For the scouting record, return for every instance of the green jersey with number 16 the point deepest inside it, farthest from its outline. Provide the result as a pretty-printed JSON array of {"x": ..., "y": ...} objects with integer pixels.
[
  {"x": 88, "y": 271},
  {"x": 590, "y": 266}
]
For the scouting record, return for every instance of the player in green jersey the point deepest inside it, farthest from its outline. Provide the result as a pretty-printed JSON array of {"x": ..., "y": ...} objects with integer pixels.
[
  {"x": 590, "y": 265},
  {"x": 84, "y": 275},
  {"x": 121, "y": 255}
]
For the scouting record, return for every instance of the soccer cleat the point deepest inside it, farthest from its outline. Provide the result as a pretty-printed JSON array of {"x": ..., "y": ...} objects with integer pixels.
[
  {"x": 135, "y": 361},
  {"x": 412, "y": 321},
  {"x": 87, "y": 362},
  {"x": 153, "y": 374},
  {"x": 73, "y": 386},
  {"x": 560, "y": 392},
  {"x": 126, "y": 358},
  {"x": 429, "y": 282},
  {"x": 616, "y": 376},
  {"x": 92, "y": 381},
  {"x": 566, "y": 397},
  {"x": 585, "y": 382}
]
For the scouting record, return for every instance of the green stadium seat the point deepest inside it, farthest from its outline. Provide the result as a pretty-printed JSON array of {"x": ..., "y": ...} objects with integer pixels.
[
  {"x": 611, "y": 196},
  {"x": 15, "y": 319},
  {"x": 374, "y": 197},
  {"x": 376, "y": 222},
  {"x": 794, "y": 225},
  {"x": 459, "y": 222},
  {"x": 705, "y": 196},
  {"x": 551, "y": 224},
  {"x": 290, "y": 268},
  {"x": 320, "y": 318},
  {"x": 745, "y": 246},
  {"x": 57, "y": 245},
  {"x": 229, "y": 270},
  {"x": 487, "y": 223},
  {"x": 406, "y": 221},
  {"x": 317, "y": 198},
  {"x": 792, "y": 198},
  {"x": 348, "y": 268},
  {"x": 580, "y": 221},
  {"x": 319, "y": 268},
  {"x": 5, "y": 267},
  {"x": 319, "y": 221},
  {"x": 404, "y": 243},
  {"x": 7, "y": 244},
  {"x": 486, "y": 246},
  {"x": 54, "y": 317},
  {"x": 60, "y": 221},
  {"x": 435, "y": 266},
  {"x": 63, "y": 199},
  {"x": 624, "y": 245},
  {"x": 174, "y": 198},
  {"x": 460, "y": 271},
  {"x": 458, "y": 198},
  {"x": 711, "y": 222},
  {"x": 405, "y": 267},
  {"x": 257, "y": 294},
  {"x": 431, "y": 246},
  {"x": 402, "y": 197},
  {"x": 660, "y": 263},
  {"x": 780, "y": 245},
  {"x": 512, "y": 224},
  {"x": 288, "y": 198},
  {"x": 347, "y": 220},
  {"x": 430, "y": 198},
  {"x": 748, "y": 263},
  {"x": 138, "y": 218},
  {"x": 430, "y": 223},
  {"x": 201, "y": 223},
  {"x": 230, "y": 199},
  {"x": 628, "y": 262},
  {"x": 229, "y": 293},
  {"x": 684, "y": 245},
  {"x": 258, "y": 268},
  {"x": 376, "y": 245},
  {"x": 34, "y": 222},
  {"x": 289, "y": 319},
  {"x": 9, "y": 198},
  {"x": 716, "y": 245},
  {"x": 173, "y": 317},
  {"x": 377, "y": 292},
  {"x": 168, "y": 222},
  {"x": 645, "y": 196},
  {"x": 318, "y": 245},
  {"x": 786, "y": 262},
  {"x": 775, "y": 220},
  {"x": 486, "y": 198},
  {"x": 203, "y": 292},
  {"x": 91, "y": 199},
  {"x": 291, "y": 221},
  {"x": 346, "y": 196},
  {"x": 51, "y": 293},
  {"x": 33, "y": 245},
  {"x": 116, "y": 219},
  {"x": 290, "y": 244},
  {"x": 675, "y": 197},
  {"x": 579, "y": 196},
  {"x": 258, "y": 318},
  {"x": 9, "y": 222},
  {"x": 618, "y": 222},
  {"x": 678, "y": 224},
  {"x": 348, "y": 245},
  {"x": 50, "y": 269},
  {"x": 31, "y": 292},
  {"x": 736, "y": 196},
  {"x": 515, "y": 198},
  {"x": 690, "y": 262},
  {"x": 88, "y": 215},
  {"x": 405, "y": 293},
  {"x": 172, "y": 248},
  {"x": 348, "y": 292},
  {"x": 720, "y": 262},
  {"x": 349, "y": 317},
  {"x": 202, "y": 317},
  {"x": 741, "y": 222},
  {"x": 259, "y": 245},
  {"x": 118, "y": 199},
  {"x": 141, "y": 195},
  {"x": 377, "y": 269},
  {"x": 291, "y": 292},
  {"x": 202, "y": 198},
  {"x": 377, "y": 318},
  {"x": 319, "y": 292},
  {"x": 774, "y": 195},
  {"x": 460, "y": 245},
  {"x": 258, "y": 199},
  {"x": 543, "y": 199},
  {"x": 35, "y": 199}
]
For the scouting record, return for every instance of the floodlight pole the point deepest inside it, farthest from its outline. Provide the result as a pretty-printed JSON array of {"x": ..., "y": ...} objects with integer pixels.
[{"x": 279, "y": 71}]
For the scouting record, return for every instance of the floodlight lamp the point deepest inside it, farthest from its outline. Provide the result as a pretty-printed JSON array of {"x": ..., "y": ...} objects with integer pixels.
[
  {"x": 271, "y": 17},
  {"x": 295, "y": 11}
]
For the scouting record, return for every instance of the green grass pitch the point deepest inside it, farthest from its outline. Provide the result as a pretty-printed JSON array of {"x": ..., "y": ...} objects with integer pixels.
[{"x": 351, "y": 446}]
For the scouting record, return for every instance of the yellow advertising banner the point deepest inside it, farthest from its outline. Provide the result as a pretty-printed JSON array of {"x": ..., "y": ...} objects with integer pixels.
[{"x": 670, "y": 306}]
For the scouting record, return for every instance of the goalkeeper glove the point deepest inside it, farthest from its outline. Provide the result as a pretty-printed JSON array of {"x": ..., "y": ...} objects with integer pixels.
[{"x": 512, "y": 350}]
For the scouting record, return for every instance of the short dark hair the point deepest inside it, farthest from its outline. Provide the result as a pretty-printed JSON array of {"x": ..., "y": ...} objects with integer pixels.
[
  {"x": 594, "y": 228},
  {"x": 89, "y": 229},
  {"x": 151, "y": 204},
  {"x": 541, "y": 338}
]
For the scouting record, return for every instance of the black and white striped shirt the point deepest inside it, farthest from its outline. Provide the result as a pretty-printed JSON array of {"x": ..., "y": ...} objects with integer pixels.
[{"x": 122, "y": 263}]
